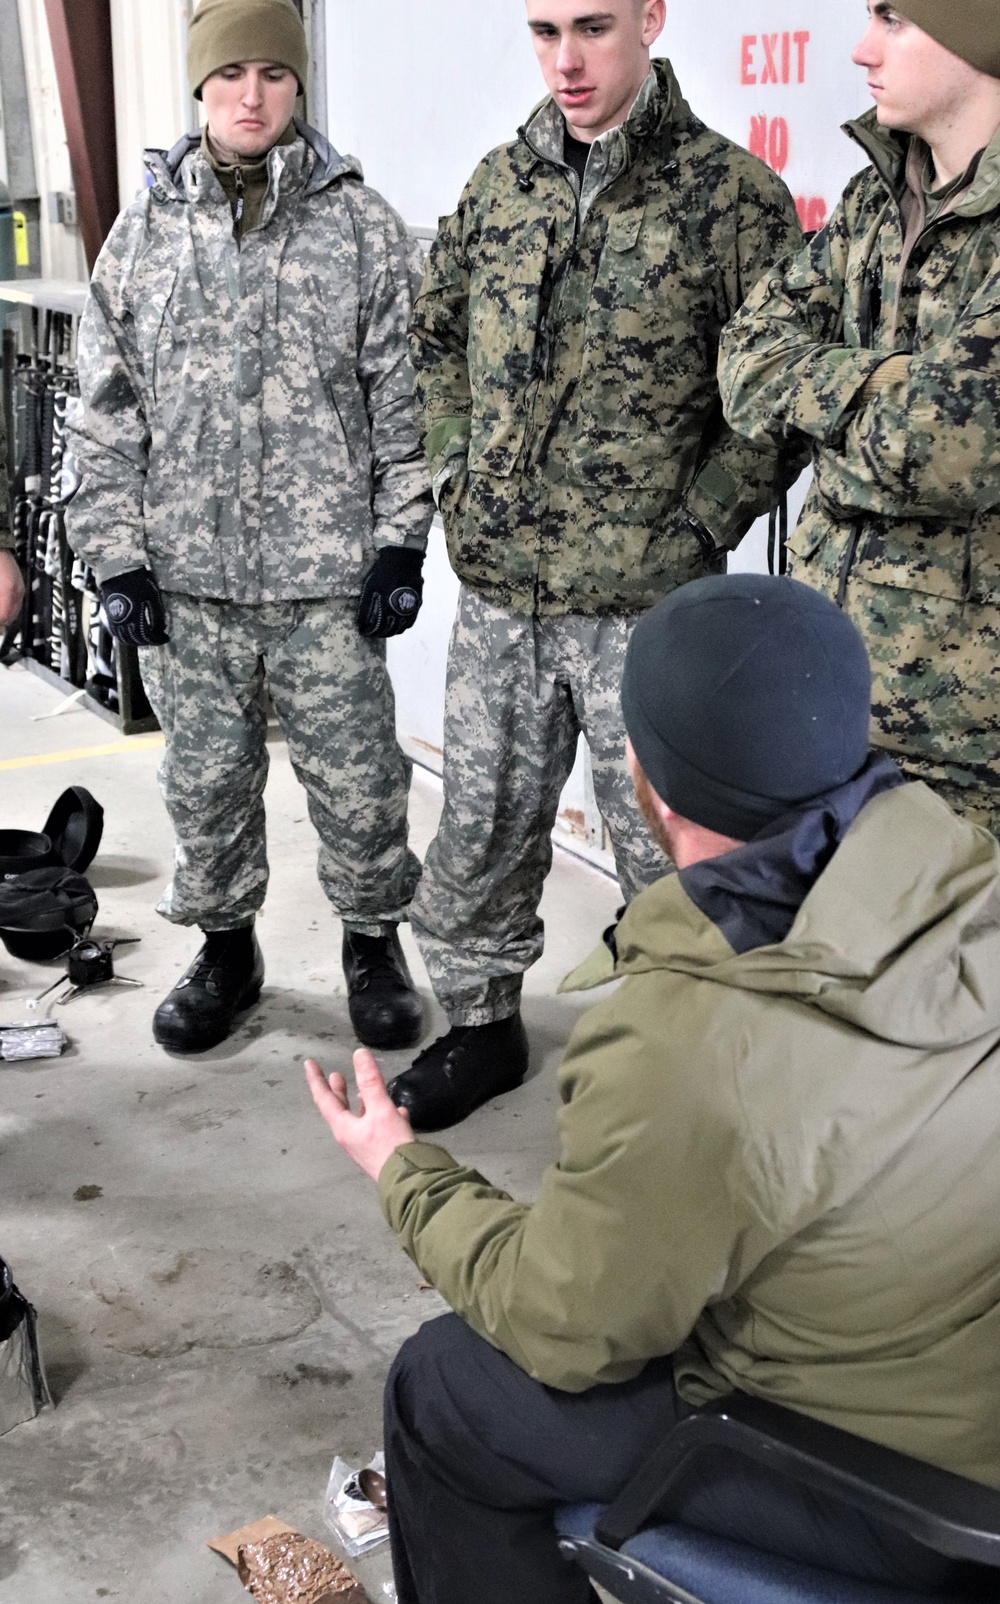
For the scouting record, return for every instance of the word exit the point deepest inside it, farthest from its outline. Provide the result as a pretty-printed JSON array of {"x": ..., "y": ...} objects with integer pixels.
[{"x": 774, "y": 58}]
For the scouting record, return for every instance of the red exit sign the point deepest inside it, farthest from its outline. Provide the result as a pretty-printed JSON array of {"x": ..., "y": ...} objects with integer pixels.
[{"x": 774, "y": 58}]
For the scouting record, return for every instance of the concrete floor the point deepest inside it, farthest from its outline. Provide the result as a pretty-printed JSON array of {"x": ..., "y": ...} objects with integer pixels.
[{"x": 219, "y": 1297}]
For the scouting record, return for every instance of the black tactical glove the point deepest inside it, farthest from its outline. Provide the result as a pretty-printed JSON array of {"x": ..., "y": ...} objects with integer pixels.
[
  {"x": 133, "y": 607},
  {"x": 391, "y": 592}
]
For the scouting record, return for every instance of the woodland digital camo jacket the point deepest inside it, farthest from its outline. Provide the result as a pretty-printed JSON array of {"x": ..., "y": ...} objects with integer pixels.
[
  {"x": 248, "y": 427},
  {"x": 902, "y": 523},
  {"x": 565, "y": 350}
]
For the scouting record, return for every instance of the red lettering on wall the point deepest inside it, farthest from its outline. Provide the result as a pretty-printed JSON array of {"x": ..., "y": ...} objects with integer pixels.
[
  {"x": 812, "y": 212},
  {"x": 777, "y": 64},
  {"x": 801, "y": 40},
  {"x": 769, "y": 140},
  {"x": 777, "y": 145},
  {"x": 747, "y": 74},
  {"x": 770, "y": 73}
]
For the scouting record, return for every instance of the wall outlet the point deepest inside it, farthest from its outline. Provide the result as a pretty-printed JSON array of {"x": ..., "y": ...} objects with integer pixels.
[{"x": 62, "y": 208}]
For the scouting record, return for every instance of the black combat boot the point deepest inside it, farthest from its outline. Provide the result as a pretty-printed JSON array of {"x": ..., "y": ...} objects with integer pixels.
[
  {"x": 224, "y": 979},
  {"x": 382, "y": 1000},
  {"x": 461, "y": 1071}
]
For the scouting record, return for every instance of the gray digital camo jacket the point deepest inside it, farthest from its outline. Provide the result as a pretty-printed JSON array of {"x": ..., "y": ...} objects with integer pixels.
[{"x": 247, "y": 427}]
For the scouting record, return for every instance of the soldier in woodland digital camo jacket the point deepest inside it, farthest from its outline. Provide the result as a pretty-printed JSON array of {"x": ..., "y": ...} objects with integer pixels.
[
  {"x": 880, "y": 347},
  {"x": 564, "y": 343},
  {"x": 250, "y": 467}
]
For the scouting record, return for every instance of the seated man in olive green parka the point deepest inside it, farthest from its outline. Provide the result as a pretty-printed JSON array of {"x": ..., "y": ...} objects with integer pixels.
[{"x": 780, "y": 1139}]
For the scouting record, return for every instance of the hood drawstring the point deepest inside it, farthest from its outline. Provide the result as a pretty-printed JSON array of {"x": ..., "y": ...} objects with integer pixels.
[{"x": 848, "y": 562}]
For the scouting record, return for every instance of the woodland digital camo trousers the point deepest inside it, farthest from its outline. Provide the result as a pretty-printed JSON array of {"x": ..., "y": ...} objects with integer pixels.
[
  {"x": 520, "y": 690},
  {"x": 335, "y": 704}
]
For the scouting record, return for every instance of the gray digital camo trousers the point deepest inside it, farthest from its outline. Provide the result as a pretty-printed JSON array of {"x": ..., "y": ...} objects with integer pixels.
[
  {"x": 520, "y": 690},
  {"x": 335, "y": 704}
]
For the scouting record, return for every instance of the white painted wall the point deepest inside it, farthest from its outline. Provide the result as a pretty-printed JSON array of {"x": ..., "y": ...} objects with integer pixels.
[
  {"x": 63, "y": 255},
  {"x": 152, "y": 103},
  {"x": 421, "y": 91}
]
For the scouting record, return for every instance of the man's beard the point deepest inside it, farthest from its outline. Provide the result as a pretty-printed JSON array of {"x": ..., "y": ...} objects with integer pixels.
[{"x": 657, "y": 828}]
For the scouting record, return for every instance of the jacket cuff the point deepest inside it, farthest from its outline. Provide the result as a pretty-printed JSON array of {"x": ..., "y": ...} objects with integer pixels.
[
  {"x": 403, "y": 1174},
  {"x": 445, "y": 443},
  {"x": 894, "y": 370},
  {"x": 388, "y": 535},
  {"x": 830, "y": 388},
  {"x": 449, "y": 470},
  {"x": 119, "y": 565}
]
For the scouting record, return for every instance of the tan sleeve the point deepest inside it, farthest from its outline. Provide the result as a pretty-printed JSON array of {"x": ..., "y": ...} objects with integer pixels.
[
  {"x": 628, "y": 1239},
  {"x": 894, "y": 370}
]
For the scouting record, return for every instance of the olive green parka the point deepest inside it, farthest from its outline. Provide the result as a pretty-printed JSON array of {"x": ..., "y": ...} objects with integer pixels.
[{"x": 780, "y": 1165}]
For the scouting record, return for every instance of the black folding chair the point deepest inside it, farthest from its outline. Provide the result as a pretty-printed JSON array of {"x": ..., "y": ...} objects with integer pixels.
[{"x": 632, "y": 1548}]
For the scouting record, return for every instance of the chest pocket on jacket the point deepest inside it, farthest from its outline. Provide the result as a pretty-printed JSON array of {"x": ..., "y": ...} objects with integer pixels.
[
  {"x": 647, "y": 383},
  {"x": 624, "y": 230}
]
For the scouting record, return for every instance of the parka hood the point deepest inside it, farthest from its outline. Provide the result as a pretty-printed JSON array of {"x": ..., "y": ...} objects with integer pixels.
[
  {"x": 169, "y": 167},
  {"x": 888, "y": 150},
  {"x": 898, "y": 938}
]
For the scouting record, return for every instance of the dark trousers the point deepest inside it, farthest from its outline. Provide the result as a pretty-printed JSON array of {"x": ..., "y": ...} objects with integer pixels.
[{"x": 479, "y": 1457}]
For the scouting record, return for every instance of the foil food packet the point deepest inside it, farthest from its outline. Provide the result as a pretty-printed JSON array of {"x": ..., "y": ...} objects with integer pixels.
[
  {"x": 288, "y": 1568},
  {"x": 277, "y": 1565}
]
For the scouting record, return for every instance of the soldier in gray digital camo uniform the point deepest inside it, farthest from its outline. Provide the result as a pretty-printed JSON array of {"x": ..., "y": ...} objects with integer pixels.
[
  {"x": 565, "y": 344},
  {"x": 255, "y": 505},
  {"x": 880, "y": 348}
]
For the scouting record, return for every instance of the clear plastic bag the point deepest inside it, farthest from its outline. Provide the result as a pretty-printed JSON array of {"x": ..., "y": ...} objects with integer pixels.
[
  {"x": 24, "y": 1391},
  {"x": 42, "y": 1039},
  {"x": 355, "y": 1522}
]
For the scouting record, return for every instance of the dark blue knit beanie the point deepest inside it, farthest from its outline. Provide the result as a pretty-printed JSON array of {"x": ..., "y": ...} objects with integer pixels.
[{"x": 745, "y": 696}]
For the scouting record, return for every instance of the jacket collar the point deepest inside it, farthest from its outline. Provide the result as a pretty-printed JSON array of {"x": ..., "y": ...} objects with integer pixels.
[
  {"x": 658, "y": 108},
  {"x": 310, "y": 164},
  {"x": 753, "y": 895},
  {"x": 888, "y": 151}
]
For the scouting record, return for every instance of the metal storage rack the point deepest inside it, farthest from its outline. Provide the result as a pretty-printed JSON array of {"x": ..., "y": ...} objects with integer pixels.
[{"x": 55, "y": 635}]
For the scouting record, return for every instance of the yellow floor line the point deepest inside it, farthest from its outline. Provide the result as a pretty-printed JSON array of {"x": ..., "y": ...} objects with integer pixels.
[{"x": 136, "y": 743}]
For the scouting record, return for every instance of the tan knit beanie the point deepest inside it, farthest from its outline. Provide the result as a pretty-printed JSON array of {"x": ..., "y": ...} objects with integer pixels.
[
  {"x": 226, "y": 31},
  {"x": 968, "y": 28}
]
